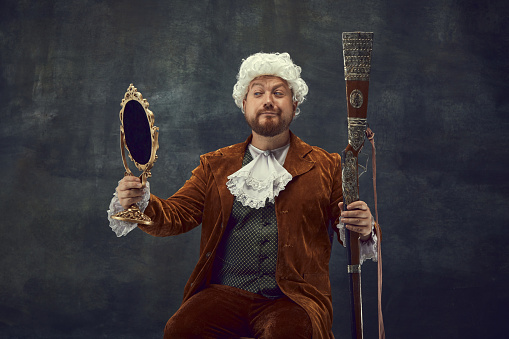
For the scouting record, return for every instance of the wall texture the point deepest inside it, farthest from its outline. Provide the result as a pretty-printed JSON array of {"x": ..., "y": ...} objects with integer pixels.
[{"x": 438, "y": 105}]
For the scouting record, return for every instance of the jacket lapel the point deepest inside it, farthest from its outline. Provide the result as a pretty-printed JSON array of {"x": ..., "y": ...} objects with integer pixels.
[
  {"x": 224, "y": 162},
  {"x": 296, "y": 162}
]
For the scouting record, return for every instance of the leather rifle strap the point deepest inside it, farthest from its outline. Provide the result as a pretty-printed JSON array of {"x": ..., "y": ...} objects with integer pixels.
[{"x": 381, "y": 329}]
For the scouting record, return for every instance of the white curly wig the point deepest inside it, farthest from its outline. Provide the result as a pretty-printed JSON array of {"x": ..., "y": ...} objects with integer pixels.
[{"x": 277, "y": 64}]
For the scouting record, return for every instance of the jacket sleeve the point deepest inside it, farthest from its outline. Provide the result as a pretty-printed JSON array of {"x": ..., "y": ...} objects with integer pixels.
[
  {"x": 336, "y": 195},
  {"x": 181, "y": 212}
]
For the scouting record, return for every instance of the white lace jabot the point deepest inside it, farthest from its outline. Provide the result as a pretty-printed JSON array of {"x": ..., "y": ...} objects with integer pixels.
[{"x": 262, "y": 178}]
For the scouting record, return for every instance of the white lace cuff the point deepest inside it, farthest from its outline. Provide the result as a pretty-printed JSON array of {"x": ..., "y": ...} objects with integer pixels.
[
  {"x": 123, "y": 227},
  {"x": 368, "y": 248}
]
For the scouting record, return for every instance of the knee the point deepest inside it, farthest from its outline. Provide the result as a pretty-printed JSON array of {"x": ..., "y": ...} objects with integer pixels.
[
  {"x": 176, "y": 329},
  {"x": 289, "y": 329}
]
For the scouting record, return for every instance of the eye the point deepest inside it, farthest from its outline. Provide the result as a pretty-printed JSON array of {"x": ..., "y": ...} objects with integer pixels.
[
  {"x": 257, "y": 93},
  {"x": 279, "y": 93}
]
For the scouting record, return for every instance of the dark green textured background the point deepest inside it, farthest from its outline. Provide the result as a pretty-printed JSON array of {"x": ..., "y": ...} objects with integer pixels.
[{"x": 438, "y": 105}]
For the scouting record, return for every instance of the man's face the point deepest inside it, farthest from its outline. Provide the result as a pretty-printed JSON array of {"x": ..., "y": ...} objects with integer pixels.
[{"x": 268, "y": 106}]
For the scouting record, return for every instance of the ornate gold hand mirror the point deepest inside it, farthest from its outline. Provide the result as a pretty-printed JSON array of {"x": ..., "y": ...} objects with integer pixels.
[{"x": 140, "y": 137}]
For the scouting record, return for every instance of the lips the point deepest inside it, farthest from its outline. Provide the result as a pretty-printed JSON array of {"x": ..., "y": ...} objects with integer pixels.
[{"x": 268, "y": 112}]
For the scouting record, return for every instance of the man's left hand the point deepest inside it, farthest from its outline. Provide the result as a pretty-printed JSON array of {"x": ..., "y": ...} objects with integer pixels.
[{"x": 357, "y": 218}]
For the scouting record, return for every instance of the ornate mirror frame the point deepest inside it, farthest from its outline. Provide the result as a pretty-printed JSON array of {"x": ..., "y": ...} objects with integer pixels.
[
  {"x": 133, "y": 94},
  {"x": 133, "y": 214}
]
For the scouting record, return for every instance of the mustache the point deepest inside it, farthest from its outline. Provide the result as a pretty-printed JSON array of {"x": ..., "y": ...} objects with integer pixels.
[{"x": 271, "y": 111}]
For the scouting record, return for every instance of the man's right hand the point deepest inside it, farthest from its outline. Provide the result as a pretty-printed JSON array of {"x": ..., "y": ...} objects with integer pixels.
[{"x": 129, "y": 191}]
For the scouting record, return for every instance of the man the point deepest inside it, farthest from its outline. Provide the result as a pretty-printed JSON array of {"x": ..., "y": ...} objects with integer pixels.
[{"x": 266, "y": 206}]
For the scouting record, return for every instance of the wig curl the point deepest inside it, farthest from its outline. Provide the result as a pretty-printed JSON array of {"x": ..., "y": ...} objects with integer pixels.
[{"x": 277, "y": 64}]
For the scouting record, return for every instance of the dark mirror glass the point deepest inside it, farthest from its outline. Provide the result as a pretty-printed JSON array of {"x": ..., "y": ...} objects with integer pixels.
[{"x": 137, "y": 132}]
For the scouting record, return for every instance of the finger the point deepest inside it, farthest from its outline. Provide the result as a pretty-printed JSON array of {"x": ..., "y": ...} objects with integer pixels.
[
  {"x": 128, "y": 185},
  {"x": 129, "y": 180},
  {"x": 355, "y": 222},
  {"x": 135, "y": 193},
  {"x": 357, "y": 217},
  {"x": 356, "y": 214},
  {"x": 130, "y": 193},
  {"x": 358, "y": 205},
  {"x": 126, "y": 203}
]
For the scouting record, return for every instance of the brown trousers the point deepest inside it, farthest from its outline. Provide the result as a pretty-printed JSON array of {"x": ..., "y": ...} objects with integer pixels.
[{"x": 227, "y": 312}]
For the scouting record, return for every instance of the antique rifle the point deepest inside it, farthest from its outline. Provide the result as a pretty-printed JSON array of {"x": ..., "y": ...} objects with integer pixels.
[{"x": 357, "y": 47}]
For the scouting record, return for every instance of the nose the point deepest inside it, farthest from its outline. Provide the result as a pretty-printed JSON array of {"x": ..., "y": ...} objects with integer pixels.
[{"x": 268, "y": 102}]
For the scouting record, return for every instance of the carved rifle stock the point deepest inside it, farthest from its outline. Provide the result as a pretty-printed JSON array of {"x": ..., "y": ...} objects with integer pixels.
[{"x": 357, "y": 47}]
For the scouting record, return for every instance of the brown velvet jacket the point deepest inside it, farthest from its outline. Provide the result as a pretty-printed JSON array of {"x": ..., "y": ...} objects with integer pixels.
[{"x": 304, "y": 210}]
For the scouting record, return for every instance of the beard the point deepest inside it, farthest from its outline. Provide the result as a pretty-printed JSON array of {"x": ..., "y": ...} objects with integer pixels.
[{"x": 271, "y": 125}]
